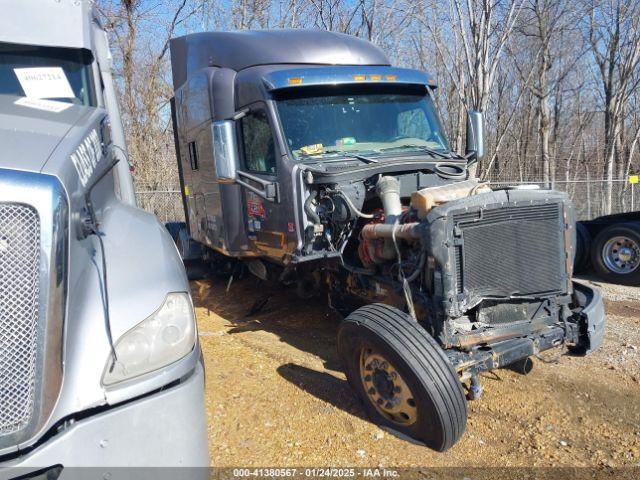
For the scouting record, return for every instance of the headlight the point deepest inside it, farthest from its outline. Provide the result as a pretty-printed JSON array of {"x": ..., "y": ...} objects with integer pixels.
[{"x": 166, "y": 336}]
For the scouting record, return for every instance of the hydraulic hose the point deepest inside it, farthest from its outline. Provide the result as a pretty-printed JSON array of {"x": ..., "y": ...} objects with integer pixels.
[{"x": 353, "y": 208}]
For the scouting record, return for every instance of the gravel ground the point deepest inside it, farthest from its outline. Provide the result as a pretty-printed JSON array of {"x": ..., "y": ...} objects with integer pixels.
[{"x": 276, "y": 395}]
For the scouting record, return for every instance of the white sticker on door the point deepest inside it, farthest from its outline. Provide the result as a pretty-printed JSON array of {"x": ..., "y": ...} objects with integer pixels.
[
  {"x": 44, "y": 82},
  {"x": 40, "y": 104}
]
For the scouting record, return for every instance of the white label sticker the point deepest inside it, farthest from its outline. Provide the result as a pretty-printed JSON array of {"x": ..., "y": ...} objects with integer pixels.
[
  {"x": 40, "y": 104},
  {"x": 44, "y": 82}
]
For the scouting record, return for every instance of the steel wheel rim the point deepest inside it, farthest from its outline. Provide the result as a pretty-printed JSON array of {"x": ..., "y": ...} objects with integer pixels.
[
  {"x": 386, "y": 389},
  {"x": 621, "y": 254}
]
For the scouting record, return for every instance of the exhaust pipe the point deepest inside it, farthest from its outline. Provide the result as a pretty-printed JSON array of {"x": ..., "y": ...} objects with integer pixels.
[
  {"x": 523, "y": 366},
  {"x": 388, "y": 189},
  {"x": 406, "y": 231}
]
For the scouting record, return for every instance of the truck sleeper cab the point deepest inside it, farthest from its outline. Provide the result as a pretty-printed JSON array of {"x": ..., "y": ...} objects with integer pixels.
[
  {"x": 312, "y": 160},
  {"x": 99, "y": 361}
]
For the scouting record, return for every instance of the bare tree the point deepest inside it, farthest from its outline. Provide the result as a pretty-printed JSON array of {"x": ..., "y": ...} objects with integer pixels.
[
  {"x": 251, "y": 14},
  {"x": 546, "y": 23},
  {"x": 557, "y": 79},
  {"x": 470, "y": 37},
  {"x": 141, "y": 45},
  {"x": 614, "y": 36}
]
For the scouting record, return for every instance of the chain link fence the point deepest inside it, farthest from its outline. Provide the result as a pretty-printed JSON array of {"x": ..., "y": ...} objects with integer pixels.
[
  {"x": 588, "y": 196},
  {"x": 164, "y": 204}
]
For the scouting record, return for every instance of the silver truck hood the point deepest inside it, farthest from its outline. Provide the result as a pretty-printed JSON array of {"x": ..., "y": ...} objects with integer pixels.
[{"x": 29, "y": 135}]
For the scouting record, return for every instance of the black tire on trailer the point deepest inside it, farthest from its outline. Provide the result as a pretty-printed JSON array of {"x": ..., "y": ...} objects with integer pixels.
[
  {"x": 615, "y": 254},
  {"x": 583, "y": 249},
  {"x": 402, "y": 376}
]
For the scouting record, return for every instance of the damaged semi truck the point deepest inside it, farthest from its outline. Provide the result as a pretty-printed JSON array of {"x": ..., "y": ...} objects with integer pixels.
[
  {"x": 99, "y": 360},
  {"x": 309, "y": 158}
]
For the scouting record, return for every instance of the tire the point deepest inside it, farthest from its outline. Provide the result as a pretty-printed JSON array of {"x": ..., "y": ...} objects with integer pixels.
[
  {"x": 425, "y": 400},
  {"x": 606, "y": 248},
  {"x": 174, "y": 228},
  {"x": 583, "y": 249},
  {"x": 195, "y": 268}
]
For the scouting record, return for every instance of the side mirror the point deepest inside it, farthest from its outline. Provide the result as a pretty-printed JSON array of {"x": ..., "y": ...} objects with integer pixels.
[
  {"x": 475, "y": 136},
  {"x": 225, "y": 150}
]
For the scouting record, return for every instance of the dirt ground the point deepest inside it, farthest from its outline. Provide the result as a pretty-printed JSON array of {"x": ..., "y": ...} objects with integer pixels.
[{"x": 276, "y": 395}]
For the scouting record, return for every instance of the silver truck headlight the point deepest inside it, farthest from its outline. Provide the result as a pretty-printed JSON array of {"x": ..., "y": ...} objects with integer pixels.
[{"x": 165, "y": 337}]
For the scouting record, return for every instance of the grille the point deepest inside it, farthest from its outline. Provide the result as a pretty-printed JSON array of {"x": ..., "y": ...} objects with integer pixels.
[
  {"x": 19, "y": 279},
  {"x": 511, "y": 251}
]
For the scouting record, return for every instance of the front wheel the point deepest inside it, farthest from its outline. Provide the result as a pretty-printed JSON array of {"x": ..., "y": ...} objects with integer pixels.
[{"x": 402, "y": 376}]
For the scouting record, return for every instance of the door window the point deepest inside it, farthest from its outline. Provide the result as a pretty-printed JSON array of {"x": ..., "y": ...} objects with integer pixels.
[{"x": 259, "y": 149}]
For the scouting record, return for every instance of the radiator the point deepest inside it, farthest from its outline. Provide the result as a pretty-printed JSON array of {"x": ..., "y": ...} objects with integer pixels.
[{"x": 510, "y": 251}]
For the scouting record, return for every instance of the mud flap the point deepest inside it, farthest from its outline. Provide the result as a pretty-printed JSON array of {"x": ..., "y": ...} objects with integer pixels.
[{"x": 592, "y": 317}]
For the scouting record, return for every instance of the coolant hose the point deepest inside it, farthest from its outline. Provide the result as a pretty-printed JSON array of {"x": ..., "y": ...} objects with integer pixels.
[{"x": 313, "y": 216}]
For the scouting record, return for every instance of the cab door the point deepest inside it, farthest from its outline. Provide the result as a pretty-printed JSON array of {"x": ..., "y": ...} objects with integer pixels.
[{"x": 258, "y": 177}]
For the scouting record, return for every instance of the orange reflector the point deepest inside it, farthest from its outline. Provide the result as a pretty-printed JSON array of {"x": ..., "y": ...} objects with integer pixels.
[
  {"x": 359, "y": 78},
  {"x": 391, "y": 78},
  {"x": 376, "y": 78},
  {"x": 295, "y": 80}
]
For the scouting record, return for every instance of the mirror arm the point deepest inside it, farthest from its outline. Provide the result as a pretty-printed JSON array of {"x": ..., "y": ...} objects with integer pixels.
[
  {"x": 239, "y": 114},
  {"x": 471, "y": 157},
  {"x": 269, "y": 190}
]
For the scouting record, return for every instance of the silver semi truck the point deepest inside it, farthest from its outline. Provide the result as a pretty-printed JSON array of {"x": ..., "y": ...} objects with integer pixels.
[
  {"x": 99, "y": 359},
  {"x": 310, "y": 160}
]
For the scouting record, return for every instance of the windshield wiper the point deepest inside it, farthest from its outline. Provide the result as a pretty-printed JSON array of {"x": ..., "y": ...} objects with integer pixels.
[
  {"x": 356, "y": 156},
  {"x": 359, "y": 157},
  {"x": 422, "y": 148}
]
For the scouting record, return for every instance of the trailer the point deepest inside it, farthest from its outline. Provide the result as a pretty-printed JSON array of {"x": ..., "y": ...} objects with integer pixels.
[
  {"x": 306, "y": 158},
  {"x": 100, "y": 364}
]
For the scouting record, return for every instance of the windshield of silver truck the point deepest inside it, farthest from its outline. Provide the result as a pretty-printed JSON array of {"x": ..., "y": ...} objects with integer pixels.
[
  {"x": 371, "y": 123},
  {"x": 62, "y": 74}
]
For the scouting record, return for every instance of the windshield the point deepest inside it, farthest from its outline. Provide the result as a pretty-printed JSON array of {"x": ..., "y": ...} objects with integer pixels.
[
  {"x": 62, "y": 74},
  {"x": 364, "y": 123}
]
